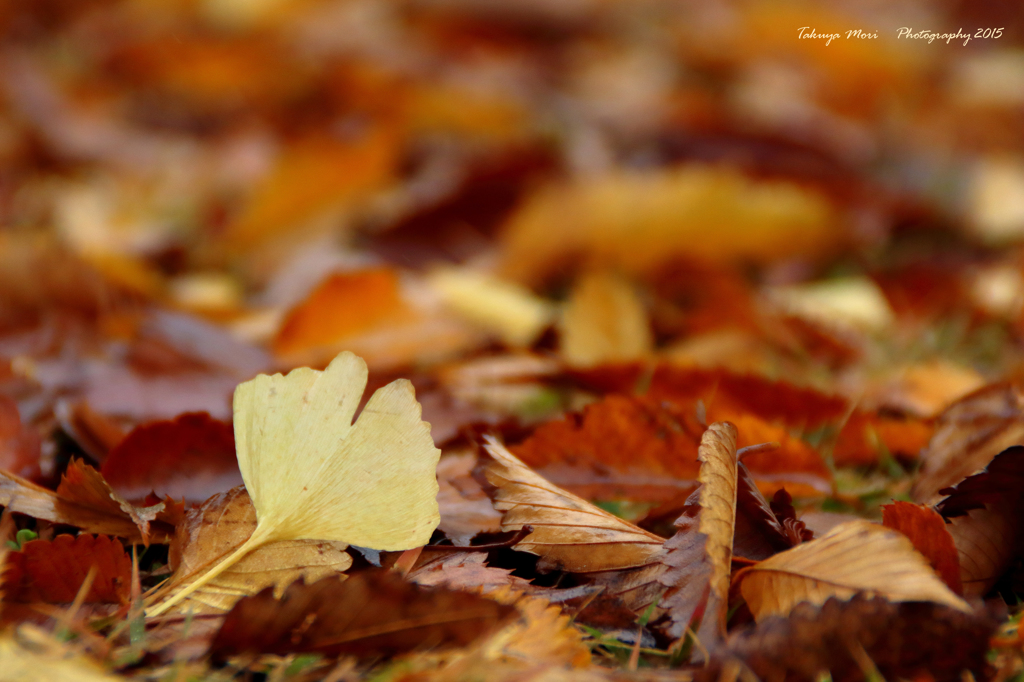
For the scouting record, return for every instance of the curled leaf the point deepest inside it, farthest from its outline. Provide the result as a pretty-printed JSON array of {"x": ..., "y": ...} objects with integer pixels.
[
  {"x": 857, "y": 556},
  {"x": 699, "y": 556},
  {"x": 569, "y": 532},
  {"x": 984, "y": 516}
]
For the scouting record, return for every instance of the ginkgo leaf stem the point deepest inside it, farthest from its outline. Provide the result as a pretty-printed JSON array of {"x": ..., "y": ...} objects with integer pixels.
[{"x": 254, "y": 541}]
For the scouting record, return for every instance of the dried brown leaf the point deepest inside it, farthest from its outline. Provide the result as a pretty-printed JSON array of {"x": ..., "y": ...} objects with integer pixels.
[
  {"x": 569, "y": 533},
  {"x": 464, "y": 506},
  {"x": 465, "y": 571},
  {"x": 968, "y": 435},
  {"x": 857, "y": 556},
  {"x": 19, "y": 444},
  {"x": 371, "y": 614},
  {"x": 902, "y": 640}
]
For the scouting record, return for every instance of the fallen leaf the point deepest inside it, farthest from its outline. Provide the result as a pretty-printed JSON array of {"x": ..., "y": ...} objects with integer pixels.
[
  {"x": 84, "y": 499},
  {"x": 864, "y": 434},
  {"x": 764, "y": 528},
  {"x": 772, "y": 401},
  {"x": 371, "y": 614},
  {"x": 19, "y": 444},
  {"x": 916, "y": 640},
  {"x": 699, "y": 555},
  {"x": 968, "y": 435},
  {"x": 639, "y": 221},
  {"x": 83, "y": 486},
  {"x": 509, "y": 311},
  {"x": 221, "y": 524},
  {"x": 543, "y": 635},
  {"x": 928, "y": 531},
  {"x": 645, "y": 447},
  {"x": 857, "y": 556},
  {"x": 53, "y": 571},
  {"x": 31, "y": 654},
  {"x": 314, "y": 475},
  {"x": 569, "y": 533},
  {"x": 312, "y": 175},
  {"x": 95, "y": 433},
  {"x": 465, "y": 571},
  {"x": 343, "y": 305},
  {"x": 984, "y": 516},
  {"x": 927, "y": 388},
  {"x": 854, "y": 303},
  {"x": 464, "y": 506},
  {"x": 191, "y": 457},
  {"x": 623, "y": 444},
  {"x": 604, "y": 320}
]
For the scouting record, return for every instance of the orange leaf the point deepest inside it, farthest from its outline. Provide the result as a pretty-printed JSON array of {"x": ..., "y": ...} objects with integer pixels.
[
  {"x": 928, "y": 531},
  {"x": 342, "y": 305},
  {"x": 313, "y": 175}
]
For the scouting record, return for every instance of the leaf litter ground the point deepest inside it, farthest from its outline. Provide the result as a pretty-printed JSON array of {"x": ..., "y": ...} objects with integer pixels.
[{"x": 717, "y": 332}]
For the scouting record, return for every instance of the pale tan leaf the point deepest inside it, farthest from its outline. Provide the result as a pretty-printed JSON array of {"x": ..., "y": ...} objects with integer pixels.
[
  {"x": 983, "y": 514},
  {"x": 507, "y": 310},
  {"x": 857, "y": 556},
  {"x": 604, "y": 321},
  {"x": 30, "y": 654},
  {"x": 568, "y": 532},
  {"x": 465, "y": 571},
  {"x": 223, "y": 523},
  {"x": 968, "y": 435},
  {"x": 985, "y": 544}
]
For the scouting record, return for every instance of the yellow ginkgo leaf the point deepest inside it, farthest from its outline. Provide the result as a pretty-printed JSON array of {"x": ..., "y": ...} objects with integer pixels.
[{"x": 313, "y": 474}]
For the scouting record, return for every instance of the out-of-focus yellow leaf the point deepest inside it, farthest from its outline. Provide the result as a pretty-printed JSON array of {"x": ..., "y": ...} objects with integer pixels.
[
  {"x": 313, "y": 175},
  {"x": 854, "y": 302},
  {"x": 604, "y": 321},
  {"x": 507, "y": 309},
  {"x": 637, "y": 222},
  {"x": 33, "y": 655}
]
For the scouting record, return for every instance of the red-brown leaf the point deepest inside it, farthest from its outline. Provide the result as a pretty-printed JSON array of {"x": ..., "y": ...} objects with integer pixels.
[
  {"x": 190, "y": 457},
  {"x": 370, "y": 614},
  {"x": 53, "y": 570},
  {"x": 927, "y": 530}
]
